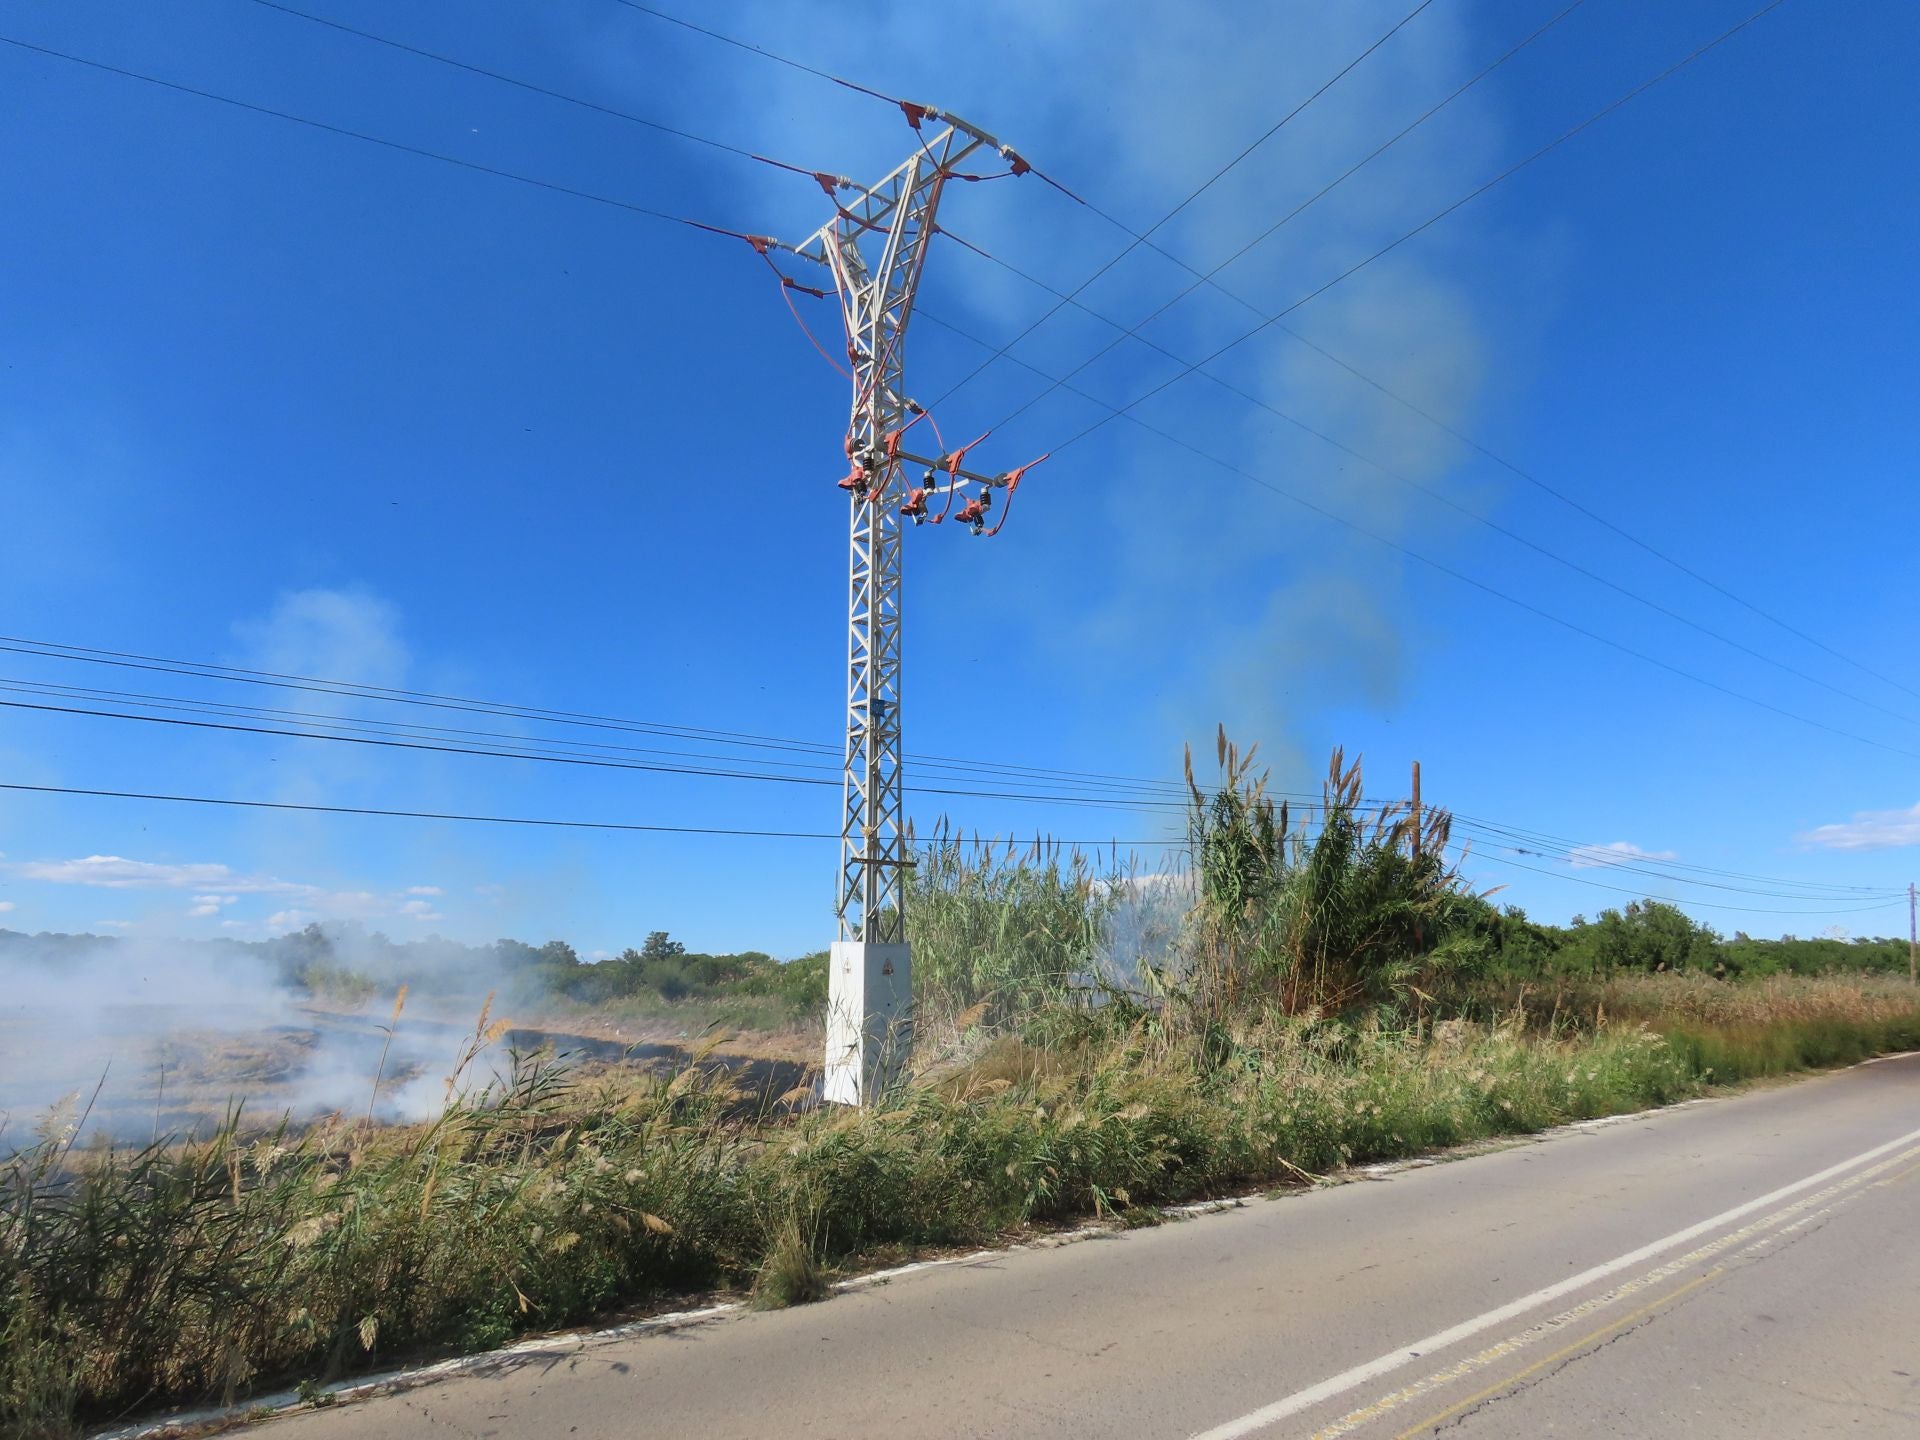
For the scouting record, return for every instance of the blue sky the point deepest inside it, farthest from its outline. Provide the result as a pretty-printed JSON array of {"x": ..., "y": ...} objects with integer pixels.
[{"x": 278, "y": 399}]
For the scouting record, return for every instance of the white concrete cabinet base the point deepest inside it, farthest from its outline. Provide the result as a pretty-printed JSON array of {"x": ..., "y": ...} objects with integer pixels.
[{"x": 869, "y": 1019}]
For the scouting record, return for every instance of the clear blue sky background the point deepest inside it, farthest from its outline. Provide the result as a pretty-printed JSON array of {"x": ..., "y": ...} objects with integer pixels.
[{"x": 276, "y": 398}]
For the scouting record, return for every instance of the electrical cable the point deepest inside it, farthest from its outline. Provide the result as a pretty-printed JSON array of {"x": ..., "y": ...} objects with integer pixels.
[
  {"x": 719, "y": 230},
  {"x": 1135, "y": 808},
  {"x": 1210, "y": 278},
  {"x": 528, "y": 85},
  {"x": 1701, "y": 904},
  {"x": 361, "y": 135},
  {"x": 1436, "y": 495},
  {"x": 1599, "y": 856},
  {"x": 755, "y": 49},
  {"x": 1124, "y": 412},
  {"x": 1208, "y": 184},
  {"x": 1471, "y": 825},
  {"x": 54, "y": 650},
  {"x": 1212, "y": 275},
  {"x": 1089, "y": 802},
  {"x": 517, "y": 754},
  {"x": 1508, "y": 173},
  {"x": 479, "y": 819},
  {"x": 1057, "y": 383},
  {"x": 334, "y": 722}
]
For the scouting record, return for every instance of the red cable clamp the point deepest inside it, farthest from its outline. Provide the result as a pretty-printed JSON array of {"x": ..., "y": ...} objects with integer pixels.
[
  {"x": 951, "y": 464},
  {"x": 1014, "y": 478},
  {"x": 916, "y": 113}
]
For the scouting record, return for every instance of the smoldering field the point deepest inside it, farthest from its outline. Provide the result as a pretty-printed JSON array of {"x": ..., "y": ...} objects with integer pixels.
[{"x": 134, "y": 1039}]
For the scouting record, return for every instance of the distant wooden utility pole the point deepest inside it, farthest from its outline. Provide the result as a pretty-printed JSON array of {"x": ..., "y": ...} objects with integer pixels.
[
  {"x": 1913, "y": 938},
  {"x": 1416, "y": 809},
  {"x": 1419, "y": 930}
]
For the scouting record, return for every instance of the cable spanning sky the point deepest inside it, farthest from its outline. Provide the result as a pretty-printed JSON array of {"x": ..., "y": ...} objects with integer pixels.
[{"x": 1527, "y": 394}]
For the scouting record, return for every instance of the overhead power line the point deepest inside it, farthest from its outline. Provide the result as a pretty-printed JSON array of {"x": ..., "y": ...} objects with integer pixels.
[
  {"x": 479, "y": 819},
  {"x": 1493, "y": 831},
  {"x": 1703, "y": 904},
  {"x": 1145, "y": 237},
  {"x": 590, "y": 762},
  {"x": 635, "y": 827},
  {"x": 1588, "y": 856},
  {"x": 457, "y": 64},
  {"x": 1504, "y": 175},
  {"x": 122, "y": 659},
  {"x": 310, "y": 725},
  {"x": 1124, "y": 412},
  {"x": 1055, "y": 382},
  {"x": 1439, "y": 497},
  {"x": 396, "y": 145},
  {"x": 1157, "y": 794},
  {"x": 1210, "y": 278},
  {"x": 755, "y": 49}
]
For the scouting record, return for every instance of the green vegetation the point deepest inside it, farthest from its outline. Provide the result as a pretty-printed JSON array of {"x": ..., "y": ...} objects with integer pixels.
[{"x": 1093, "y": 1043}]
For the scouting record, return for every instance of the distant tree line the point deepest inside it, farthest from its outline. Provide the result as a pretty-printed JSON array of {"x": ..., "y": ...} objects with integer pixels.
[
  {"x": 1653, "y": 935},
  {"x": 346, "y": 962}
]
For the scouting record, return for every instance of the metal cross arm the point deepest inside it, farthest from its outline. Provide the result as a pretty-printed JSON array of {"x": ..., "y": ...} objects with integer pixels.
[{"x": 939, "y": 465}]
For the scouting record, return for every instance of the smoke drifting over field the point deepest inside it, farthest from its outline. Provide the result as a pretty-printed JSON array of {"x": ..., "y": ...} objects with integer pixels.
[{"x": 160, "y": 1036}]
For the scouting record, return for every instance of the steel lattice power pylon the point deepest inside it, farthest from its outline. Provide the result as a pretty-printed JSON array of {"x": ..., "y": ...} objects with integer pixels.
[{"x": 875, "y": 247}]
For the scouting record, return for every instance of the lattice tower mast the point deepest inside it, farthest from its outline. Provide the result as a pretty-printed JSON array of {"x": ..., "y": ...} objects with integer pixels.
[{"x": 875, "y": 247}]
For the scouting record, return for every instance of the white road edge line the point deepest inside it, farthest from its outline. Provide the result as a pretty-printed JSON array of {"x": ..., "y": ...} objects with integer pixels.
[
  {"x": 1406, "y": 1354},
  {"x": 397, "y": 1381}
]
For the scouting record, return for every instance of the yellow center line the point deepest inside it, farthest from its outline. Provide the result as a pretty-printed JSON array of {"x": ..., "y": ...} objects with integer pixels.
[
  {"x": 1905, "y": 1174},
  {"x": 1441, "y": 1416},
  {"x": 1753, "y": 1237}
]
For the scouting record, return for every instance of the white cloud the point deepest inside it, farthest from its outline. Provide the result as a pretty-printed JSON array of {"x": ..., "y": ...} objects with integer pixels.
[
  {"x": 425, "y": 890},
  {"x": 290, "y": 919},
  {"x": 116, "y": 872},
  {"x": 204, "y": 905},
  {"x": 1590, "y": 857},
  {"x": 114, "y": 924},
  {"x": 1868, "y": 830},
  {"x": 420, "y": 910},
  {"x": 5, "y": 906}
]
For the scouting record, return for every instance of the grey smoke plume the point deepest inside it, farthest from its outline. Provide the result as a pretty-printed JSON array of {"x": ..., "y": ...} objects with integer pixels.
[
  {"x": 1149, "y": 546},
  {"x": 160, "y": 1037}
]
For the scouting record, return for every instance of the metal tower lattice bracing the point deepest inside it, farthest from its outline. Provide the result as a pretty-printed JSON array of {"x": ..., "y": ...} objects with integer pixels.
[{"x": 875, "y": 248}]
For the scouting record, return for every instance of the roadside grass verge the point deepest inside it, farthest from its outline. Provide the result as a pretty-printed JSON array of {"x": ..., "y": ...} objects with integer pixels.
[{"x": 206, "y": 1270}]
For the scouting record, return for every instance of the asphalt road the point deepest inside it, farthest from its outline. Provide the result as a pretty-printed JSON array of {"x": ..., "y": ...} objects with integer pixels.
[{"x": 1747, "y": 1267}]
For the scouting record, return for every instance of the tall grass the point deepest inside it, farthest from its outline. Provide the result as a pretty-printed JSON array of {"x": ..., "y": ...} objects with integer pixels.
[
  {"x": 1294, "y": 1019},
  {"x": 199, "y": 1270},
  {"x": 1000, "y": 930}
]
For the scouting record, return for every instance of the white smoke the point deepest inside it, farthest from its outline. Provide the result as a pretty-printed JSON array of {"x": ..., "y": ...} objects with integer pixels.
[
  {"x": 1149, "y": 546},
  {"x": 151, "y": 1037}
]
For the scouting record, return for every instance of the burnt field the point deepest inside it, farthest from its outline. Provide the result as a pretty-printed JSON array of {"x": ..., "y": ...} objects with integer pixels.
[{"x": 144, "y": 1071}]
